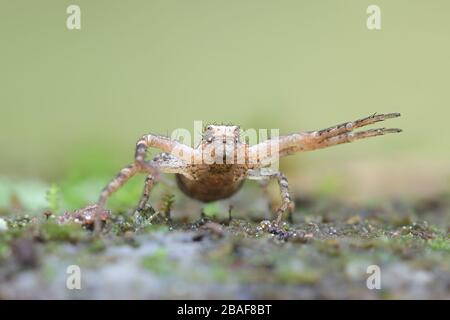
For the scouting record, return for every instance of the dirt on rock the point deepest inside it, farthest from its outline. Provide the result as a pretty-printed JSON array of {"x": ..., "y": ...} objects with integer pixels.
[{"x": 329, "y": 249}]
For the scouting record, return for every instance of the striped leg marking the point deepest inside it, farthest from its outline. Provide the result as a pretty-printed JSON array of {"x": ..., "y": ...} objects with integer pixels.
[
  {"x": 351, "y": 125},
  {"x": 353, "y": 136},
  {"x": 286, "y": 203},
  {"x": 149, "y": 183}
]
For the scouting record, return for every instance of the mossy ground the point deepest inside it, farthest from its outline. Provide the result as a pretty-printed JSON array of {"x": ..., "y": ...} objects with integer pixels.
[{"x": 323, "y": 252}]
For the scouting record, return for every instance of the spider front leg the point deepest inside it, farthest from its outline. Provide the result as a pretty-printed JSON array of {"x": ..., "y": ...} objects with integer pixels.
[
  {"x": 286, "y": 203},
  {"x": 170, "y": 146},
  {"x": 269, "y": 151},
  {"x": 123, "y": 176},
  {"x": 119, "y": 180},
  {"x": 140, "y": 165},
  {"x": 165, "y": 163},
  {"x": 347, "y": 127}
]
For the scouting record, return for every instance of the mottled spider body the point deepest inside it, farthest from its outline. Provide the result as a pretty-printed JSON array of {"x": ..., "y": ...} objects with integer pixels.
[
  {"x": 218, "y": 175},
  {"x": 212, "y": 184},
  {"x": 218, "y": 166}
]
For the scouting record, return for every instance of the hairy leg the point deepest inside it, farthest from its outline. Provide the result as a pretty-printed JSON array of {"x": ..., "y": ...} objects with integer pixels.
[
  {"x": 286, "y": 203},
  {"x": 269, "y": 151},
  {"x": 162, "y": 163},
  {"x": 149, "y": 183},
  {"x": 351, "y": 125},
  {"x": 119, "y": 180},
  {"x": 353, "y": 136},
  {"x": 169, "y": 146}
]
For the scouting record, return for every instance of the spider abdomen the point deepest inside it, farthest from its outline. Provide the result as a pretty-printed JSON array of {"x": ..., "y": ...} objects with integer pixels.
[{"x": 216, "y": 183}]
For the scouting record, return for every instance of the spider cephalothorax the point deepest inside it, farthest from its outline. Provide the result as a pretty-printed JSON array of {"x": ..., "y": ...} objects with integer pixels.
[
  {"x": 217, "y": 167},
  {"x": 220, "y": 144}
]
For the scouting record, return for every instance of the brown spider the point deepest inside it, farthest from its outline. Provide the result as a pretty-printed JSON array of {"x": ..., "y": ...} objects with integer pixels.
[{"x": 218, "y": 166}]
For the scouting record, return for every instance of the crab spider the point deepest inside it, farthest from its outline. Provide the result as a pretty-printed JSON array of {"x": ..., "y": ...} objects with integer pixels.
[{"x": 218, "y": 166}]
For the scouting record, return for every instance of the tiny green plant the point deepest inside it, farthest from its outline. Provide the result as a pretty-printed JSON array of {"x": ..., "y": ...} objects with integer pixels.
[
  {"x": 210, "y": 210},
  {"x": 167, "y": 203},
  {"x": 53, "y": 198}
]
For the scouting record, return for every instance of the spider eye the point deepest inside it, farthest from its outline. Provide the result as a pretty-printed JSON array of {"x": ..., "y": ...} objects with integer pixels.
[
  {"x": 210, "y": 139},
  {"x": 208, "y": 127}
]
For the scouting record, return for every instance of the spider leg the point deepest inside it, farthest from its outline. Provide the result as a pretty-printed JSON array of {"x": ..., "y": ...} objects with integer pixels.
[
  {"x": 149, "y": 183},
  {"x": 286, "y": 203},
  {"x": 169, "y": 146},
  {"x": 162, "y": 163},
  {"x": 267, "y": 152},
  {"x": 353, "y": 136},
  {"x": 119, "y": 180},
  {"x": 351, "y": 125},
  {"x": 165, "y": 163}
]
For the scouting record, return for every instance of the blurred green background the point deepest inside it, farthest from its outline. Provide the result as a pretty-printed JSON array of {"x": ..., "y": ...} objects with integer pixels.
[{"x": 73, "y": 103}]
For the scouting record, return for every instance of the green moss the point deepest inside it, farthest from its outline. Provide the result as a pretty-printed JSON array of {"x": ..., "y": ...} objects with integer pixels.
[
  {"x": 52, "y": 231},
  {"x": 98, "y": 245},
  {"x": 17, "y": 224},
  {"x": 158, "y": 263},
  {"x": 440, "y": 244},
  {"x": 286, "y": 274},
  {"x": 156, "y": 228},
  {"x": 219, "y": 273},
  {"x": 4, "y": 250},
  {"x": 49, "y": 273},
  {"x": 331, "y": 247}
]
